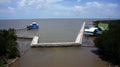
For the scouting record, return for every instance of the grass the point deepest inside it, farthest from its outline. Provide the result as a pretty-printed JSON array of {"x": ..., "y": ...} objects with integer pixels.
[{"x": 103, "y": 26}]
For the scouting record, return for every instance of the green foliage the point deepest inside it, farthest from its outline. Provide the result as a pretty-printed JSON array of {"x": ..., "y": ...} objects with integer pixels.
[
  {"x": 3, "y": 61},
  {"x": 8, "y": 44},
  {"x": 108, "y": 43},
  {"x": 102, "y": 24}
]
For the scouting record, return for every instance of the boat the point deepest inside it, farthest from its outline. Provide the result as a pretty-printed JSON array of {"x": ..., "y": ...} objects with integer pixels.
[
  {"x": 33, "y": 25},
  {"x": 91, "y": 30}
]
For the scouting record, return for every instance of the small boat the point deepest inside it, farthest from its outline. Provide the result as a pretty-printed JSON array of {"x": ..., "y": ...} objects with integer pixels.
[
  {"x": 91, "y": 30},
  {"x": 34, "y": 25}
]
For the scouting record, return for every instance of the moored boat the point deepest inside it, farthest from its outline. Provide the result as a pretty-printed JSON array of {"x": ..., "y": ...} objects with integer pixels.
[
  {"x": 34, "y": 25},
  {"x": 91, "y": 30}
]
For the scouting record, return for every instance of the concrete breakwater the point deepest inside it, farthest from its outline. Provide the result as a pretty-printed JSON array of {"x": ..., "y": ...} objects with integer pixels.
[
  {"x": 77, "y": 42},
  {"x": 80, "y": 34},
  {"x": 25, "y": 37},
  {"x": 57, "y": 44},
  {"x": 35, "y": 39},
  {"x": 20, "y": 29}
]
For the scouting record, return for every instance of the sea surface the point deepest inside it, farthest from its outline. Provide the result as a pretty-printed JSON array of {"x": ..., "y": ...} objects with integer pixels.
[{"x": 50, "y": 30}]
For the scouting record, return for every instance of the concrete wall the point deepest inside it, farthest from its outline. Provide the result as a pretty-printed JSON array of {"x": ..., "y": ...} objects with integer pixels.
[{"x": 77, "y": 42}]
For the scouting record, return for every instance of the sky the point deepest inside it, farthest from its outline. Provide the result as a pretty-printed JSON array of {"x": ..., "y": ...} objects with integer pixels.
[{"x": 34, "y": 9}]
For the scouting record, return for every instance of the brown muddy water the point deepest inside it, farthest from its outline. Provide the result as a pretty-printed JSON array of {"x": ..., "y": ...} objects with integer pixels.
[
  {"x": 57, "y": 57},
  {"x": 50, "y": 30},
  {"x": 53, "y": 30}
]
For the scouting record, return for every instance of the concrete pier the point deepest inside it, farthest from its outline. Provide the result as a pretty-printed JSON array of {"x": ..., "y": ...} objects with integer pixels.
[
  {"x": 57, "y": 44},
  {"x": 35, "y": 40},
  {"x": 16, "y": 29},
  {"x": 25, "y": 37},
  {"x": 77, "y": 42},
  {"x": 80, "y": 34}
]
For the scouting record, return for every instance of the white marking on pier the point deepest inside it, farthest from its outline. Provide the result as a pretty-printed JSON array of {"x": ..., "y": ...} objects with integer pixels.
[{"x": 80, "y": 35}]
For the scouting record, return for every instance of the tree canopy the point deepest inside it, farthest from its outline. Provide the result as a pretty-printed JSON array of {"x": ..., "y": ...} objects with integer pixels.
[
  {"x": 108, "y": 43},
  {"x": 8, "y": 45}
]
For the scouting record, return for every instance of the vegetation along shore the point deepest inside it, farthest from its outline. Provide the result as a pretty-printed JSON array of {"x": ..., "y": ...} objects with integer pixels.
[
  {"x": 108, "y": 42},
  {"x": 8, "y": 47}
]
